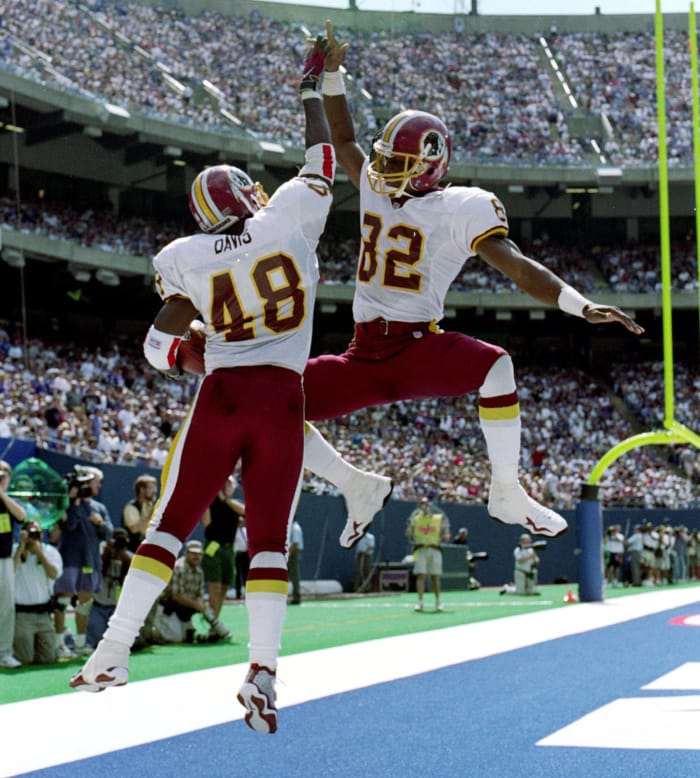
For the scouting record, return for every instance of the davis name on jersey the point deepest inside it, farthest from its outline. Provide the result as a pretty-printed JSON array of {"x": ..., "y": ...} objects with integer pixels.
[
  {"x": 398, "y": 275},
  {"x": 257, "y": 289}
]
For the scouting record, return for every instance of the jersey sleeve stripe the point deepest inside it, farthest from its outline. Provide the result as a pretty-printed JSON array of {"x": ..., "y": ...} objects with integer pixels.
[
  {"x": 493, "y": 231},
  {"x": 328, "y": 162}
]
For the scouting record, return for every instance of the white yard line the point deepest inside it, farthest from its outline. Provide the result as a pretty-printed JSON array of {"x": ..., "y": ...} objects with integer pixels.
[{"x": 77, "y": 725}]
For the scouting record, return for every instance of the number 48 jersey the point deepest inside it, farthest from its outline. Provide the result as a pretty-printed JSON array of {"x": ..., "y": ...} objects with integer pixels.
[
  {"x": 255, "y": 291},
  {"x": 411, "y": 253}
]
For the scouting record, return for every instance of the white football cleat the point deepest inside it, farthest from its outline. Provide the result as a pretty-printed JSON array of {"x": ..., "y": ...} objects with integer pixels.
[
  {"x": 108, "y": 666},
  {"x": 258, "y": 696},
  {"x": 367, "y": 495},
  {"x": 510, "y": 504}
]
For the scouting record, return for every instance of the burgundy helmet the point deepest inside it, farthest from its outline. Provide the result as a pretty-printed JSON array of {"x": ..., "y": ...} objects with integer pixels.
[
  {"x": 413, "y": 148},
  {"x": 222, "y": 195}
]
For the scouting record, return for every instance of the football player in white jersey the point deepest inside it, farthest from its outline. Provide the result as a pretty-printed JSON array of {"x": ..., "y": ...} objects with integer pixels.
[
  {"x": 416, "y": 235},
  {"x": 251, "y": 274}
]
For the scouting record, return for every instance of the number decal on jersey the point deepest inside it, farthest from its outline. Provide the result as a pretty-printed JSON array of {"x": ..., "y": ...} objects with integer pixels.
[
  {"x": 227, "y": 314},
  {"x": 407, "y": 253},
  {"x": 499, "y": 208},
  {"x": 284, "y": 304},
  {"x": 367, "y": 266},
  {"x": 277, "y": 283}
]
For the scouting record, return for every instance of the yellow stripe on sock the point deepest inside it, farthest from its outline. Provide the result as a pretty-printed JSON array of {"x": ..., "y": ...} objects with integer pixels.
[
  {"x": 499, "y": 414},
  {"x": 268, "y": 587},
  {"x": 152, "y": 567}
]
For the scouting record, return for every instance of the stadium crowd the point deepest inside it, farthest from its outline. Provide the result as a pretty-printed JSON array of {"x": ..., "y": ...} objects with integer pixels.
[
  {"x": 630, "y": 268},
  {"x": 108, "y": 405},
  {"x": 155, "y": 61}
]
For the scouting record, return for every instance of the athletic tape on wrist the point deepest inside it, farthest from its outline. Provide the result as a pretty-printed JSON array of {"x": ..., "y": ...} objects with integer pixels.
[
  {"x": 570, "y": 301},
  {"x": 333, "y": 83}
]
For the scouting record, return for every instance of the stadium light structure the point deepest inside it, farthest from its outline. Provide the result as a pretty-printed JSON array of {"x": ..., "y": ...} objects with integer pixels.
[
  {"x": 114, "y": 114},
  {"x": 80, "y": 273},
  {"x": 14, "y": 257},
  {"x": 107, "y": 277},
  {"x": 230, "y": 117},
  {"x": 213, "y": 90},
  {"x": 177, "y": 86},
  {"x": 270, "y": 147}
]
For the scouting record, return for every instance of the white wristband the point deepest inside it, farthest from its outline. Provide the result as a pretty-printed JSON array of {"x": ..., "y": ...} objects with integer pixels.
[
  {"x": 160, "y": 348},
  {"x": 309, "y": 94},
  {"x": 333, "y": 83},
  {"x": 570, "y": 301}
]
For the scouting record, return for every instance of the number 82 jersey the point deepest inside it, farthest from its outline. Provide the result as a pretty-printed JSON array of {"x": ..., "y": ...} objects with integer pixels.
[
  {"x": 255, "y": 291},
  {"x": 411, "y": 252}
]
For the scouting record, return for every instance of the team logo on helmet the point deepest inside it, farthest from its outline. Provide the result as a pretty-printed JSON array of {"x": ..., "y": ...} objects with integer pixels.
[
  {"x": 413, "y": 148},
  {"x": 222, "y": 195}
]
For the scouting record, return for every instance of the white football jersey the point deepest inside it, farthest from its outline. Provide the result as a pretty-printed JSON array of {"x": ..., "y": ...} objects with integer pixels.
[
  {"x": 410, "y": 255},
  {"x": 255, "y": 291}
]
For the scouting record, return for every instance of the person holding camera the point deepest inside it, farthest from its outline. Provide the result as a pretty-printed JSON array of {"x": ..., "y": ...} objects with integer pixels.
[
  {"x": 37, "y": 565},
  {"x": 10, "y": 511},
  {"x": 85, "y": 525},
  {"x": 184, "y": 596},
  {"x": 526, "y": 566},
  {"x": 116, "y": 559}
]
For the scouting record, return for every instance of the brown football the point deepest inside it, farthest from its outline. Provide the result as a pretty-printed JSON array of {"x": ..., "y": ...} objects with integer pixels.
[{"x": 190, "y": 353}]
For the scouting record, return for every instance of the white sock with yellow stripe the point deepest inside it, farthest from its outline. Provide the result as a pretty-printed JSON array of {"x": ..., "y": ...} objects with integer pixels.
[
  {"x": 499, "y": 416},
  {"x": 150, "y": 571},
  {"x": 266, "y": 601}
]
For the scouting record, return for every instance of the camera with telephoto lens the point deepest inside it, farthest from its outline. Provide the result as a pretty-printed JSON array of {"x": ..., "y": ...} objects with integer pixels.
[
  {"x": 80, "y": 480},
  {"x": 539, "y": 544}
]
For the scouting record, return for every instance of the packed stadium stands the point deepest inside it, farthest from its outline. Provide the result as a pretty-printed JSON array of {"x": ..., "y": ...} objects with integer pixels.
[
  {"x": 496, "y": 91},
  {"x": 156, "y": 60}
]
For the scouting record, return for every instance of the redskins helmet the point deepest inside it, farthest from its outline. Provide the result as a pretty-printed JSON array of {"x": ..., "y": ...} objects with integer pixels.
[
  {"x": 413, "y": 148},
  {"x": 222, "y": 195}
]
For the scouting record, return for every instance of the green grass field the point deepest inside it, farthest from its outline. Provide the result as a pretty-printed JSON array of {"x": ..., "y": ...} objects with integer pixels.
[{"x": 317, "y": 623}]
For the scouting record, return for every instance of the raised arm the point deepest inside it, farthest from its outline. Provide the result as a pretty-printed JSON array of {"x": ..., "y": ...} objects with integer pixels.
[
  {"x": 539, "y": 282},
  {"x": 316, "y": 128},
  {"x": 349, "y": 154}
]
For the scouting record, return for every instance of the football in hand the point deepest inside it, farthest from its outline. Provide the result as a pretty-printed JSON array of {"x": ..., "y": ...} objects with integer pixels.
[{"x": 190, "y": 352}]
